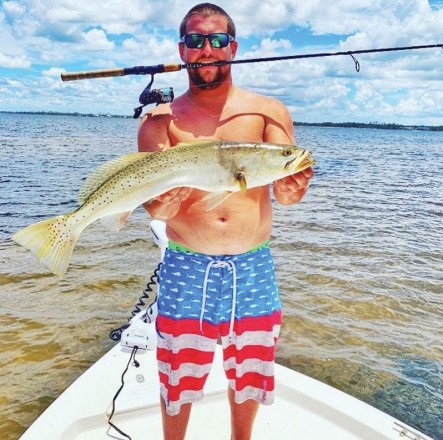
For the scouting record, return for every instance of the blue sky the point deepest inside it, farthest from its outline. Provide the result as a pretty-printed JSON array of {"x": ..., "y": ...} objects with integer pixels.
[{"x": 41, "y": 39}]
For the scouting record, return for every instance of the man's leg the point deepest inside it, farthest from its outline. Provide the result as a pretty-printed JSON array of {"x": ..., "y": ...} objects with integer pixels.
[
  {"x": 242, "y": 417},
  {"x": 184, "y": 354},
  {"x": 174, "y": 427}
]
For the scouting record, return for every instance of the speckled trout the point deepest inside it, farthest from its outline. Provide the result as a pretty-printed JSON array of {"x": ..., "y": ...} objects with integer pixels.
[{"x": 116, "y": 188}]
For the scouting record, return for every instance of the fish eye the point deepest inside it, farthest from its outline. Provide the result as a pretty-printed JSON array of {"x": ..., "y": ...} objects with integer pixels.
[{"x": 286, "y": 152}]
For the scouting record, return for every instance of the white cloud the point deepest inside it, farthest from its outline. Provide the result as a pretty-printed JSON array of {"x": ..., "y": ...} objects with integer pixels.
[
  {"x": 151, "y": 49},
  {"x": 114, "y": 17},
  {"x": 96, "y": 39},
  {"x": 419, "y": 101},
  {"x": 20, "y": 61},
  {"x": 53, "y": 72},
  {"x": 12, "y": 54},
  {"x": 269, "y": 47},
  {"x": 13, "y": 8},
  {"x": 14, "y": 83}
]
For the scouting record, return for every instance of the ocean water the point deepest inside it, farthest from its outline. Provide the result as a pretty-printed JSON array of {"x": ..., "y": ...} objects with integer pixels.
[{"x": 359, "y": 264}]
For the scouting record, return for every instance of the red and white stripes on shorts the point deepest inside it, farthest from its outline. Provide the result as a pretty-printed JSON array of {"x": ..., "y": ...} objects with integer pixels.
[{"x": 203, "y": 297}]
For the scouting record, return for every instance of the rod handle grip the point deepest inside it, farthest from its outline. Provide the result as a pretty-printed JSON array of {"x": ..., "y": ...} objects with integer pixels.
[
  {"x": 73, "y": 76},
  {"x": 172, "y": 67}
]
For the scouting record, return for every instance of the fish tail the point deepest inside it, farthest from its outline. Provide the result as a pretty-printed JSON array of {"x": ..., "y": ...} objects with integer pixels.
[{"x": 51, "y": 241}]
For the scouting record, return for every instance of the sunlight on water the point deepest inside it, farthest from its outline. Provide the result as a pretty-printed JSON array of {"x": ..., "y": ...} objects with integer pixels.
[{"x": 359, "y": 266}]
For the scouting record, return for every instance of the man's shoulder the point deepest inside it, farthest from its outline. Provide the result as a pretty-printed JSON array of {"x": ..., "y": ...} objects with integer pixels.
[
  {"x": 254, "y": 98},
  {"x": 159, "y": 110},
  {"x": 157, "y": 117},
  {"x": 153, "y": 128}
]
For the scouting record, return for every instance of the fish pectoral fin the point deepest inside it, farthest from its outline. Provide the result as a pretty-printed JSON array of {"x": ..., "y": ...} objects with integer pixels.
[
  {"x": 241, "y": 179},
  {"x": 115, "y": 222},
  {"x": 214, "y": 199}
]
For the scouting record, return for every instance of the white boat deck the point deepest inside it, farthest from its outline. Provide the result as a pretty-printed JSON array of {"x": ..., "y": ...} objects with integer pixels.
[{"x": 304, "y": 408}]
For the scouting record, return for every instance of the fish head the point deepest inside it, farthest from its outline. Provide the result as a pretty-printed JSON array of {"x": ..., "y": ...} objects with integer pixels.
[
  {"x": 263, "y": 163},
  {"x": 297, "y": 159}
]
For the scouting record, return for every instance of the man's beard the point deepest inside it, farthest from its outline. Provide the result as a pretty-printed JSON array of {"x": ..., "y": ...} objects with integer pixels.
[{"x": 201, "y": 83}]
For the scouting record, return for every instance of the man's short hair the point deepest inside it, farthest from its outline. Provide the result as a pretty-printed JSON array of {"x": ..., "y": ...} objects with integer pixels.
[{"x": 207, "y": 9}]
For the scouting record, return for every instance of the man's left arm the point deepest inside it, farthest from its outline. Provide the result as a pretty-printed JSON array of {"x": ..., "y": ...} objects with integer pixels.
[{"x": 280, "y": 129}]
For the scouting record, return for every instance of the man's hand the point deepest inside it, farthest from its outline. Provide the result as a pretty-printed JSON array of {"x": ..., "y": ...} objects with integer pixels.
[
  {"x": 167, "y": 205},
  {"x": 291, "y": 189},
  {"x": 175, "y": 195}
]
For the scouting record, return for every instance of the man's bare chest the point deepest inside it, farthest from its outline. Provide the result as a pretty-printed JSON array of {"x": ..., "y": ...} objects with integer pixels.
[{"x": 237, "y": 127}]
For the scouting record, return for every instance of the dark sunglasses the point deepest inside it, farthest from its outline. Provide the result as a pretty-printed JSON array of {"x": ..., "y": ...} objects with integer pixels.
[{"x": 217, "y": 40}]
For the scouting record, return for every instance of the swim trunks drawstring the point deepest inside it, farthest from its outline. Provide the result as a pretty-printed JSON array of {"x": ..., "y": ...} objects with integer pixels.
[{"x": 215, "y": 263}]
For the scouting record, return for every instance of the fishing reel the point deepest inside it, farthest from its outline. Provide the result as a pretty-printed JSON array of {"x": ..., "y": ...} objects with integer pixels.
[{"x": 153, "y": 96}]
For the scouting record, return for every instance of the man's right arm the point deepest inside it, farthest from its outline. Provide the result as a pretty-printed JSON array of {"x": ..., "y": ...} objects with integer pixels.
[
  {"x": 153, "y": 133},
  {"x": 153, "y": 136}
]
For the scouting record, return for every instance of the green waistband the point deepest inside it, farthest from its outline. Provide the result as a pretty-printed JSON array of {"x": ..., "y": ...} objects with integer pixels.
[{"x": 180, "y": 248}]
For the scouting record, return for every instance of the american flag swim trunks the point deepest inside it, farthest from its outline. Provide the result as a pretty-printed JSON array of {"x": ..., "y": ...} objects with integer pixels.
[{"x": 202, "y": 297}]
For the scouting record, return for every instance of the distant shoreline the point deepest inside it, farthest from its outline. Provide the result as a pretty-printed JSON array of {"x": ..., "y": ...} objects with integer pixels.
[
  {"x": 374, "y": 125},
  {"x": 86, "y": 115}
]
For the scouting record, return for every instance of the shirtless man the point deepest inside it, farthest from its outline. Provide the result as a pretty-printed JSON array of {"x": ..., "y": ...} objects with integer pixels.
[{"x": 213, "y": 108}]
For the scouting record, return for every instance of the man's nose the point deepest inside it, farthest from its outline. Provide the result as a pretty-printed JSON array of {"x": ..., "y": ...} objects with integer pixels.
[{"x": 207, "y": 46}]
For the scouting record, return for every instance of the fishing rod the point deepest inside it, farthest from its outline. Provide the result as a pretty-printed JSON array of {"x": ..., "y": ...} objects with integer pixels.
[{"x": 159, "y": 96}]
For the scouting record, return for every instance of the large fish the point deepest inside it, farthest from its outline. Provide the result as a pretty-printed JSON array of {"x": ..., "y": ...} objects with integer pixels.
[{"x": 116, "y": 188}]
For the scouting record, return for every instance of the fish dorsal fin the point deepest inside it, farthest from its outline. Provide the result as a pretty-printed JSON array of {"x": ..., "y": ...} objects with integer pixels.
[{"x": 104, "y": 172}]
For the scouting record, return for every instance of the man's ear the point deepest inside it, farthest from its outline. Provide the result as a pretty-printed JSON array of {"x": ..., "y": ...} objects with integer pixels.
[
  {"x": 234, "y": 46},
  {"x": 181, "y": 51}
]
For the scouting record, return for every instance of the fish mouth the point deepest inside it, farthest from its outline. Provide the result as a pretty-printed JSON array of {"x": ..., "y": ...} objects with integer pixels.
[{"x": 301, "y": 162}]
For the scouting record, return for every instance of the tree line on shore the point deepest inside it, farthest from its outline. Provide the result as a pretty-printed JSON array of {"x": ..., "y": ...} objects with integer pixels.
[{"x": 379, "y": 125}]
